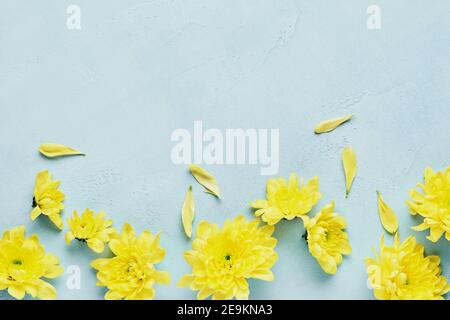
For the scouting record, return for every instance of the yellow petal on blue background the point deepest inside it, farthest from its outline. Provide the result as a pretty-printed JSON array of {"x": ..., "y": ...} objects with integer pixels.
[
  {"x": 188, "y": 212},
  {"x": 330, "y": 125},
  {"x": 206, "y": 179},
  {"x": 52, "y": 150},
  {"x": 349, "y": 163},
  {"x": 387, "y": 215}
]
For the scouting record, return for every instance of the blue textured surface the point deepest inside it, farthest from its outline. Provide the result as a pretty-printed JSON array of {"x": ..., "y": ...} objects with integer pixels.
[{"x": 137, "y": 70}]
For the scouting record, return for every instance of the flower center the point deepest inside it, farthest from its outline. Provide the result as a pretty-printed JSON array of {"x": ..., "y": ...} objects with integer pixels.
[
  {"x": 228, "y": 262},
  {"x": 134, "y": 270},
  {"x": 282, "y": 198},
  {"x": 17, "y": 262}
]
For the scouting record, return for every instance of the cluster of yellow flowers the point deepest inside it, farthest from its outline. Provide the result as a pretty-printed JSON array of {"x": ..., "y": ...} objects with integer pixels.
[
  {"x": 130, "y": 274},
  {"x": 403, "y": 271},
  {"x": 327, "y": 240},
  {"x": 223, "y": 259}
]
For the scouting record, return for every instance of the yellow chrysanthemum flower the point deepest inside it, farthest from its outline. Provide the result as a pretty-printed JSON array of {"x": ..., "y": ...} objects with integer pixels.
[
  {"x": 131, "y": 274},
  {"x": 327, "y": 240},
  {"x": 94, "y": 230},
  {"x": 287, "y": 200},
  {"x": 433, "y": 204},
  {"x": 223, "y": 259},
  {"x": 47, "y": 198},
  {"x": 403, "y": 272},
  {"x": 23, "y": 263}
]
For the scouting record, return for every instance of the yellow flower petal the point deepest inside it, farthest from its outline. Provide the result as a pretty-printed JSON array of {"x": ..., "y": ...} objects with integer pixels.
[
  {"x": 162, "y": 277},
  {"x": 56, "y": 219},
  {"x": 96, "y": 245},
  {"x": 52, "y": 150},
  {"x": 349, "y": 163},
  {"x": 387, "y": 215},
  {"x": 112, "y": 295},
  {"x": 185, "y": 280},
  {"x": 435, "y": 233},
  {"x": 204, "y": 293},
  {"x": 17, "y": 292},
  {"x": 54, "y": 271},
  {"x": 259, "y": 204},
  {"x": 330, "y": 125},
  {"x": 272, "y": 216},
  {"x": 188, "y": 212},
  {"x": 266, "y": 275},
  {"x": 144, "y": 294},
  {"x": 206, "y": 179},
  {"x": 46, "y": 291},
  {"x": 69, "y": 237},
  {"x": 36, "y": 212},
  {"x": 100, "y": 263}
]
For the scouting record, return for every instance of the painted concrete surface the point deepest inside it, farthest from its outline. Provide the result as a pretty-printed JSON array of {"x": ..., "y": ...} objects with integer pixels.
[{"x": 138, "y": 70}]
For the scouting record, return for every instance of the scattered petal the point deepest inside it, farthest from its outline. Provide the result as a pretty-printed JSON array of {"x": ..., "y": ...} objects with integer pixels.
[
  {"x": 53, "y": 150},
  {"x": 330, "y": 125},
  {"x": 206, "y": 179},
  {"x": 349, "y": 163},
  {"x": 387, "y": 215},
  {"x": 188, "y": 212}
]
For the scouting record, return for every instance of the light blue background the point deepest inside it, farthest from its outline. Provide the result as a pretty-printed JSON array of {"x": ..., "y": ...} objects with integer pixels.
[{"x": 140, "y": 69}]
